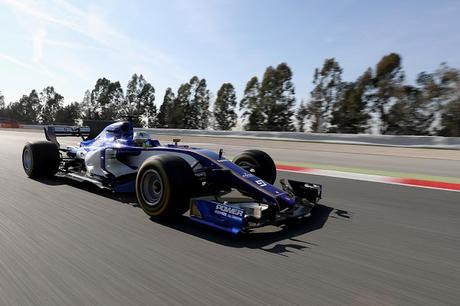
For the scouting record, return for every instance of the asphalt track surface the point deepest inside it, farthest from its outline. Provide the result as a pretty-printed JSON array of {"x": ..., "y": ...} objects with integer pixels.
[
  {"x": 63, "y": 243},
  {"x": 394, "y": 160},
  {"x": 431, "y": 162}
]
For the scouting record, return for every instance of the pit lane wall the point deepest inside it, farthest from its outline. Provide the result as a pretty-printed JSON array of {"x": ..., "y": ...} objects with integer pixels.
[{"x": 436, "y": 142}]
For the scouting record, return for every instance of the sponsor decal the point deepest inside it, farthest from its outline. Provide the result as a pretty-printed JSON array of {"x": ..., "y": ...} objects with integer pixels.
[
  {"x": 261, "y": 183},
  {"x": 229, "y": 211}
]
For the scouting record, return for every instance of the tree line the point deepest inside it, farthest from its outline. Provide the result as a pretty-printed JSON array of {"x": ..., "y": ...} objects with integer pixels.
[{"x": 380, "y": 98}]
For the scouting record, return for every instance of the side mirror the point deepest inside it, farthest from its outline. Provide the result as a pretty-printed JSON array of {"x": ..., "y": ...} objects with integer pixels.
[{"x": 176, "y": 141}]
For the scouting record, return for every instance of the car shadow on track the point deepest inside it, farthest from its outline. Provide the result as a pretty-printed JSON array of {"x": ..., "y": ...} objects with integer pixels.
[
  {"x": 125, "y": 198},
  {"x": 279, "y": 240}
]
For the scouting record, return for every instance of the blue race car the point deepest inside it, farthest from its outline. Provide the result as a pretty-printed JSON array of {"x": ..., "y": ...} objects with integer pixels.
[{"x": 171, "y": 179}]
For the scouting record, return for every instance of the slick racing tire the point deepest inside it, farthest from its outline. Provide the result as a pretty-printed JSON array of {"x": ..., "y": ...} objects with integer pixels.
[
  {"x": 40, "y": 159},
  {"x": 164, "y": 186},
  {"x": 258, "y": 163}
]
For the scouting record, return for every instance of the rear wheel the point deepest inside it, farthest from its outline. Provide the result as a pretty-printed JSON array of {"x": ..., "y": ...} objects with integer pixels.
[
  {"x": 258, "y": 163},
  {"x": 40, "y": 159},
  {"x": 164, "y": 186}
]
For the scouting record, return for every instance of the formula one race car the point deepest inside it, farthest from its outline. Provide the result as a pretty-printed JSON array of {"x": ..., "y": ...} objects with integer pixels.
[{"x": 172, "y": 179}]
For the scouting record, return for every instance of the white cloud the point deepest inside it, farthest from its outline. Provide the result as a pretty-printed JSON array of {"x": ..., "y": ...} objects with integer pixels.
[
  {"x": 203, "y": 19},
  {"x": 69, "y": 44},
  {"x": 93, "y": 23},
  {"x": 14, "y": 60},
  {"x": 38, "y": 38},
  {"x": 50, "y": 74},
  {"x": 30, "y": 8}
]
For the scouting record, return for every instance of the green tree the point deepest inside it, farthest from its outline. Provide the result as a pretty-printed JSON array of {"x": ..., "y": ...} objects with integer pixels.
[
  {"x": 27, "y": 109},
  {"x": 148, "y": 107},
  {"x": 350, "y": 113},
  {"x": 192, "y": 108},
  {"x": 251, "y": 106},
  {"x": 300, "y": 116},
  {"x": 68, "y": 114},
  {"x": 450, "y": 120},
  {"x": 164, "y": 115},
  {"x": 197, "y": 105},
  {"x": 224, "y": 113},
  {"x": 104, "y": 101},
  {"x": 2, "y": 101},
  {"x": 277, "y": 97},
  {"x": 450, "y": 110},
  {"x": 327, "y": 91},
  {"x": 441, "y": 88},
  {"x": 139, "y": 102},
  {"x": 201, "y": 99},
  {"x": 2, "y": 105},
  {"x": 410, "y": 115},
  {"x": 131, "y": 104},
  {"x": 180, "y": 105},
  {"x": 388, "y": 87},
  {"x": 86, "y": 108},
  {"x": 51, "y": 102}
]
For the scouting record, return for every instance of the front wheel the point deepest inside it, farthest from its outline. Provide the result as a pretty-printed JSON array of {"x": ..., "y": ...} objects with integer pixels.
[
  {"x": 164, "y": 186},
  {"x": 258, "y": 163}
]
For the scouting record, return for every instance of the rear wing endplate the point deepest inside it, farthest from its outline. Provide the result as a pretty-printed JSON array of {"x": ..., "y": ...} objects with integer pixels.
[{"x": 53, "y": 131}]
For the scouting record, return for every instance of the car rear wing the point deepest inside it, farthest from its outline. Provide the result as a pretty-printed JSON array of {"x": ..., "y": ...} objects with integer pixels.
[{"x": 53, "y": 131}]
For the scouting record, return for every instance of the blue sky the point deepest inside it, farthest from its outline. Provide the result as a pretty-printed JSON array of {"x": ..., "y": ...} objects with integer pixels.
[{"x": 70, "y": 44}]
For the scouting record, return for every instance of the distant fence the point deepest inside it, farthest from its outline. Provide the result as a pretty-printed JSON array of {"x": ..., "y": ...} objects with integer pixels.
[{"x": 438, "y": 142}]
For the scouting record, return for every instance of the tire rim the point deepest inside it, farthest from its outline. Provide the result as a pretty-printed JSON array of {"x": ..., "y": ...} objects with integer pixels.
[
  {"x": 151, "y": 187},
  {"x": 27, "y": 159}
]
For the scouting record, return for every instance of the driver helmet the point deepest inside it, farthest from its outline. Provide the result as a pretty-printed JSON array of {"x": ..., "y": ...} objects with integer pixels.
[{"x": 141, "y": 137}]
